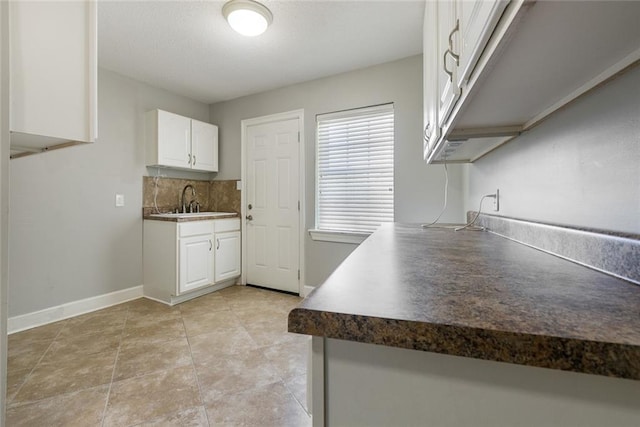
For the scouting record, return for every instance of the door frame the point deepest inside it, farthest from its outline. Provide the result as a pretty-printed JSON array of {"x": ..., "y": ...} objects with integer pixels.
[{"x": 244, "y": 124}]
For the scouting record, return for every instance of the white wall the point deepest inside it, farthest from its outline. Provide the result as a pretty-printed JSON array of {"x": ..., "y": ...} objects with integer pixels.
[
  {"x": 580, "y": 167},
  {"x": 67, "y": 239},
  {"x": 418, "y": 187}
]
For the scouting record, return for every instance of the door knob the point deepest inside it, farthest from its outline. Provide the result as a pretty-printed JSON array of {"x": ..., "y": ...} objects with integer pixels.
[
  {"x": 250, "y": 206},
  {"x": 250, "y": 217}
]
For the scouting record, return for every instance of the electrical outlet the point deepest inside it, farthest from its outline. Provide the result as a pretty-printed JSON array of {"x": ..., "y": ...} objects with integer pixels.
[
  {"x": 496, "y": 201},
  {"x": 119, "y": 200}
]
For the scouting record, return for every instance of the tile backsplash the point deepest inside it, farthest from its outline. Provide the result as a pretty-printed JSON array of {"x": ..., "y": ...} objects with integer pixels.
[{"x": 213, "y": 196}]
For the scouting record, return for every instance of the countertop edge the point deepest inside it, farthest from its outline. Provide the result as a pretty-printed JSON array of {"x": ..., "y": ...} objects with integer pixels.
[
  {"x": 567, "y": 354},
  {"x": 199, "y": 218}
]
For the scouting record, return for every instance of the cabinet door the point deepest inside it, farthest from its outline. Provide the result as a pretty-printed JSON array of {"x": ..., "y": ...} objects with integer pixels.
[
  {"x": 204, "y": 146},
  {"x": 448, "y": 51},
  {"x": 174, "y": 140},
  {"x": 431, "y": 130},
  {"x": 227, "y": 255},
  {"x": 53, "y": 57},
  {"x": 477, "y": 20},
  {"x": 196, "y": 262}
]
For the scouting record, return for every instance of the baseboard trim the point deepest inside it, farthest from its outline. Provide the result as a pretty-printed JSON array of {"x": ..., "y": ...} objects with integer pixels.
[
  {"x": 173, "y": 300},
  {"x": 71, "y": 309}
]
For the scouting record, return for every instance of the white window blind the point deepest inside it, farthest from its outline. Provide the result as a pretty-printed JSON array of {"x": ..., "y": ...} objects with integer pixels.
[{"x": 355, "y": 169}]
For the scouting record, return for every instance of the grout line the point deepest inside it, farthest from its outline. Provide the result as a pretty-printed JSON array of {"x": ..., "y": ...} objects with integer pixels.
[
  {"x": 113, "y": 372},
  {"x": 26, "y": 378},
  {"x": 284, "y": 382},
  {"x": 195, "y": 372}
]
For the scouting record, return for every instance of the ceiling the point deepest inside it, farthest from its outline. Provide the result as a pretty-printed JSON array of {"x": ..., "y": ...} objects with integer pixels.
[{"x": 188, "y": 48}]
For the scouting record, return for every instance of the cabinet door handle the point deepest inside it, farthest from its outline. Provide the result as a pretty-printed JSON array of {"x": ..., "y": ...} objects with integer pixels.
[
  {"x": 189, "y": 161},
  {"x": 427, "y": 132},
  {"x": 217, "y": 244},
  {"x": 455, "y": 57},
  {"x": 194, "y": 160},
  {"x": 456, "y": 28},
  {"x": 210, "y": 245}
]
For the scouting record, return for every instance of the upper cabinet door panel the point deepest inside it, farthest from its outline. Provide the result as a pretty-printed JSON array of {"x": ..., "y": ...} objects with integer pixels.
[
  {"x": 174, "y": 140},
  {"x": 431, "y": 130},
  {"x": 477, "y": 20},
  {"x": 53, "y": 68},
  {"x": 448, "y": 52},
  {"x": 204, "y": 146}
]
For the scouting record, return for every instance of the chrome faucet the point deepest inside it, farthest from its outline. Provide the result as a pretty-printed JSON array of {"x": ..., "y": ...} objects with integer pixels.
[{"x": 193, "y": 193}]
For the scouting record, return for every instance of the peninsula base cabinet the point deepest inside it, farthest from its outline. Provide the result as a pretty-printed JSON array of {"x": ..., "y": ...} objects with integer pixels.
[
  {"x": 189, "y": 259},
  {"x": 358, "y": 384}
]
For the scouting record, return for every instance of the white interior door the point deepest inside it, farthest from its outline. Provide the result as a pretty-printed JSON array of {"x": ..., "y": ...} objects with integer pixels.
[{"x": 272, "y": 225}]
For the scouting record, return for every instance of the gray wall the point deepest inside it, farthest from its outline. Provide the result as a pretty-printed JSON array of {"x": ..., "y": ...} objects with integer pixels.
[
  {"x": 67, "y": 239},
  {"x": 418, "y": 187},
  {"x": 4, "y": 199},
  {"x": 580, "y": 167}
]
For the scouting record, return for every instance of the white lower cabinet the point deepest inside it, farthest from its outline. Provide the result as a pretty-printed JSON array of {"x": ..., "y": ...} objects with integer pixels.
[
  {"x": 227, "y": 259},
  {"x": 185, "y": 260},
  {"x": 196, "y": 262},
  {"x": 227, "y": 253}
]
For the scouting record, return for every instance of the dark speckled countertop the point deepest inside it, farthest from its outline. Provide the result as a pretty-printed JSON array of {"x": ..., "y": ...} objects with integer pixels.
[
  {"x": 189, "y": 219},
  {"x": 476, "y": 294}
]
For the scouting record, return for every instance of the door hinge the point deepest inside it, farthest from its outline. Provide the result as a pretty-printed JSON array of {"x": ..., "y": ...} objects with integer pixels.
[
  {"x": 298, "y": 205},
  {"x": 298, "y": 274},
  {"x": 298, "y": 136}
]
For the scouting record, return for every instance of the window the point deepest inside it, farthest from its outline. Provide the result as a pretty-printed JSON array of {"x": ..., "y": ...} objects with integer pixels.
[{"x": 354, "y": 183}]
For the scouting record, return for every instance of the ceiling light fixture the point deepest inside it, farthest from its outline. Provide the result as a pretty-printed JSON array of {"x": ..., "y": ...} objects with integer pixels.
[{"x": 247, "y": 17}]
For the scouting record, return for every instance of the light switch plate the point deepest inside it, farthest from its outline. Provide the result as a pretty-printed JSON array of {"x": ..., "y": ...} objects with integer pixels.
[{"x": 119, "y": 200}]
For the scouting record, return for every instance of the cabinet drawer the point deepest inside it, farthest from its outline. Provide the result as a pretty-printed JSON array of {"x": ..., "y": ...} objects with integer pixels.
[
  {"x": 195, "y": 228},
  {"x": 227, "y": 224}
]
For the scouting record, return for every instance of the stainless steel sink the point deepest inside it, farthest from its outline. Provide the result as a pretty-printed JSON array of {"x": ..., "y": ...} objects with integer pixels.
[{"x": 192, "y": 215}]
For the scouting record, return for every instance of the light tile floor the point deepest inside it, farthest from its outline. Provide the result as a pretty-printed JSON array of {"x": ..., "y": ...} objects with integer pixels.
[{"x": 225, "y": 358}]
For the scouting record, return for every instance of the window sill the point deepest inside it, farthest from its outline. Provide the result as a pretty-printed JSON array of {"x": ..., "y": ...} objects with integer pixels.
[{"x": 338, "y": 236}]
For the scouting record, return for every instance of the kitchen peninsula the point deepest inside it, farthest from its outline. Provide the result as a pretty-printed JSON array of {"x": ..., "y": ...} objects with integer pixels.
[{"x": 437, "y": 327}]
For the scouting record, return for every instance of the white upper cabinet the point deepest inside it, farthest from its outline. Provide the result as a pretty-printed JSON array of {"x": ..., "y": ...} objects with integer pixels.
[
  {"x": 476, "y": 21},
  {"x": 463, "y": 28},
  {"x": 455, "y": 33},
  {"x": 53, "y": 74},
  {"x": 204, "y": 146},
  {"x": 431, "y": 131},
  {"x": 504, "y": 66},
  {"x": 180, "y": 142},
  {"x": 173, "y": 139},
  {"x": 448, "y": 58}
]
